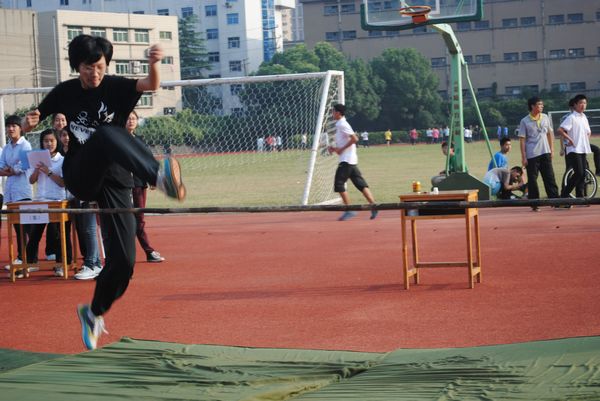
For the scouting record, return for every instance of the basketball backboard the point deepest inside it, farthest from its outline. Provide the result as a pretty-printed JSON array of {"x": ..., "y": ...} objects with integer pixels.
[{"x": 400, "y": 14}]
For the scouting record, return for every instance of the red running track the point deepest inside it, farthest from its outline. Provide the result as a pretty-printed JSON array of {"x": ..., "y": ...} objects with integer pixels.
[{"x": 305, "y": 280}]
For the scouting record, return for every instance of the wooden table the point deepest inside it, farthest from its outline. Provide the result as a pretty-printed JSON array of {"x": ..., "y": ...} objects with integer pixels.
[
  {"x": 473, "y": 262},
  {"x": 18, "y": 218}
]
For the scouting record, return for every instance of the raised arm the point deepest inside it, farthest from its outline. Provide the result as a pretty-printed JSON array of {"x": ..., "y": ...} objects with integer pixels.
[{"x": 152, "y": 81}]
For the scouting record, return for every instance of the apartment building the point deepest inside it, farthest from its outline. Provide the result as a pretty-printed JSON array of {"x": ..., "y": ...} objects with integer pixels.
[
  {"x": 518, "y": 45},
  {"x": 292, "y": 25},
  {"x": 239, "y": 34}
]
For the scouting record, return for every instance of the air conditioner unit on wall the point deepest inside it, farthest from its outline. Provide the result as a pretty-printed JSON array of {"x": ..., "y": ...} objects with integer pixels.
[{"x": 136, "y": 67}]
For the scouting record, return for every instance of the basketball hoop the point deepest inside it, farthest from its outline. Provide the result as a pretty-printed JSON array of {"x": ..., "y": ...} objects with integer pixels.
[{"x": 418, "y": 13}]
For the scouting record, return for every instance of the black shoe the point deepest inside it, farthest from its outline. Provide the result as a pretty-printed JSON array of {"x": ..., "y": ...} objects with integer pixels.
[
  {"x": 562, "y": 206},
  {"x": 154, "y": 257}
]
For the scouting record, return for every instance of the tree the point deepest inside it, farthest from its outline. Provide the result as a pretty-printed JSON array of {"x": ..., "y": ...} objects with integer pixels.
[
  {"x": 192, "y": 51},
  {"x": 410, "y": 89},
  {"x": 363, "y": 93}
]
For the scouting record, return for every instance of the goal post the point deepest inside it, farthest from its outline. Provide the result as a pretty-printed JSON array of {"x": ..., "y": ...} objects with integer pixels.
[{"x": 244, "y": 141}]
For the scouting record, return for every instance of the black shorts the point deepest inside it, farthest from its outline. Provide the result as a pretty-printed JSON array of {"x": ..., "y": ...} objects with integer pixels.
[{"x": 347, "y": 171}]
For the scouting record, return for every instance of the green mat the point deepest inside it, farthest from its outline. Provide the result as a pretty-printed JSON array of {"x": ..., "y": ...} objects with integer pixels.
[{"x": 567, "y": 369}]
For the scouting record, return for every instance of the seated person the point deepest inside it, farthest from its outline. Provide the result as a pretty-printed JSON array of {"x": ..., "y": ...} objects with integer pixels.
[
  {"x": 503, "y": 181},
  {"x": 500, "y": 157},
  {"x": 436, "y": 180}
]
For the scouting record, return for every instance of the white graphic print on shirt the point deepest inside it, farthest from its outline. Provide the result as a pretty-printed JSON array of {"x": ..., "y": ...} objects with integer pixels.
[{"x": 83, "y": 128}]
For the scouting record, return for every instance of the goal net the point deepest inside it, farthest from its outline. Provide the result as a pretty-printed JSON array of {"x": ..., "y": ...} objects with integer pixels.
[{"x": 247, "y": 141}]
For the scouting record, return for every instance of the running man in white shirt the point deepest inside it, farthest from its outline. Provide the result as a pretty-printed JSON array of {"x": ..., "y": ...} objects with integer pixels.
[{"x": 345, "y": 147}]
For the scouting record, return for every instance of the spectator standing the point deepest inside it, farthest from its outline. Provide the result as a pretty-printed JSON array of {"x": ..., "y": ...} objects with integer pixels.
[
  {"x": 505, "y": 132},
  {"x": 429, "y": 135},
  {"x": 468, "y": 134},
  {"x": 435, "y": 134},
  {"x": 576, "y": 131},
  {"x": 17, "y": 187},
  {"x": 365, "y": 139},
  {"x": 536, "y": 139},
  {"x": 138, "y": 194},
  {"x": 414, "y": 136},
  {"x": 388, "y": 137}
]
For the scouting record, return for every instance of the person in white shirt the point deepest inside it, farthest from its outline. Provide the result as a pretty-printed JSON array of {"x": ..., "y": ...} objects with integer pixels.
[
  {"x": 345, "y": 147},
  {"x": 575, "y": 131},
  {"x": 50, "y": 186},
  {"x": 17, "y": 187}
]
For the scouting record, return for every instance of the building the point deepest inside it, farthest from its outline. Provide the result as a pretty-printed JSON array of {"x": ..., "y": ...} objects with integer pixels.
[
  {"x": 519, "y": 45},
  {"x": 19, "y": 61},
  {"x": 239, "y": 34},
  {"x": 292, "y": 25}
]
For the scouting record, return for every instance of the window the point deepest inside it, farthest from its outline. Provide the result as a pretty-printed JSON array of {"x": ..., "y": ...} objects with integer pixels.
[
  {"x": 392, "y": 33},
  {"x": 120, "y": 35},
  {"x": 483, "y": 58},
  {"x": 210, "y": 11},
  {"x": 438, "y": 61},
  {"x": 577, "y": 86},
  {"x": 597, "y": 15},
  {"x": 162, "y": 11},
  {"x": 511, "y": 56},
  {"x": 29, "y": 3},
  {"x": 235, "y": 66},
  {"x": 349, "y": 35},
  {"x": 64, "y": 2},
  {"x": 528, "y": 56},
  {"x": 330, "y": 10},
  {"x": 531, "y": 88},
  {"x": 579, "y": 52},
  {"x": 468, "y": 59},
  {"x": 122, "y": 67},
  {"x": 165, "y": 35},
  {"x": 419, "y": 29},
  {"x": 376, "y": 34},
  {"x": 233, "y": 19},
  {"x": 145, "y": 100},
  {"x": 348, "y": 8},
  {"x": 212, "y": 34},
  {"x": 101, "y": 32},
  {"x": 576, "y": 18},
  {"x": 236, "y": 89},
  {"x": 485, "y": 24},
  {"x": 213, "y": 57},
  {"x": 214, "y": 75},
  {"x": 485, "y": 92},
  {"x": 509, "y": 22},
  {"x": 375, "y": 6},
  {"x": 139, "y": 12},
  {"x": 140, "y": 67},
  {"x": 331, "y": 36},
  {"x": 187, "y": 12},
  {"x": 513, "y": 90},
  {"x": 463, "y": 26},
  {"x": 527, "y": 21},
  {"x": 142, "y": 36},
  {"x": 560, "y": 87},
  {"x": 73, "y": 31},
  {"x": 556, "y": 19},
  {"x": 167, "y": 60},
  {"x": 233, "y": 42},
  {"x": 388, "y": 5},
  {"x": 558, "y": 53},
  {"x": 169, "y": 111}
]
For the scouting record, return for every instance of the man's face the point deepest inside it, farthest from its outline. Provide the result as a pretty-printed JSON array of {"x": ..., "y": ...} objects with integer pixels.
[
  {"x": 515, "y": 176},
  {"x": 538, "y": 107},
  {"x": 506, "y": 147},
  {"x": 581, "y": 105},
  {"x": 91, "y": 75},
  {"x": 14, "y": 132},
  {"x": 336, "y": 114}
]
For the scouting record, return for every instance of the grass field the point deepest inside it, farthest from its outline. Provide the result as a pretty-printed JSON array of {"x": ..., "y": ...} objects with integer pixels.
[{"x": 256, "y": 180}]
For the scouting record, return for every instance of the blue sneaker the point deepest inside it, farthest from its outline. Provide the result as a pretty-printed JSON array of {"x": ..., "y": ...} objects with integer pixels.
[
  {"x": 347, "y": 215},
  {"x": 169, "y": 179},
  {"x": 91, "y": 329},
  {"x": 374, "y": 214}
]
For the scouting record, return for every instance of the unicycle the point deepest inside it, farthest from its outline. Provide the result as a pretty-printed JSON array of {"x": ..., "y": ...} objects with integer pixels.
[{"x": 590, "y": 183}]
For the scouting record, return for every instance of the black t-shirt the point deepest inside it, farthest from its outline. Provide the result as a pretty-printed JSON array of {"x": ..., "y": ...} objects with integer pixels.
[{"x": 87, "y": 109}]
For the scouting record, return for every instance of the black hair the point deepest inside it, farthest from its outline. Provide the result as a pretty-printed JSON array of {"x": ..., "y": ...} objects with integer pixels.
[
  {"x": 340, "y": 108},
  {"x": 55, "y": 133},
  {"x": 14, "y": 119},
  {"x": 532, "y": 102},
  {"x": 504, "y": 140},
  {"x": 518, "y": 169},
  {"x": 577, "y": 98},
  {"x": 446, "y": 144},
  {"x": 88, "y": 50}
]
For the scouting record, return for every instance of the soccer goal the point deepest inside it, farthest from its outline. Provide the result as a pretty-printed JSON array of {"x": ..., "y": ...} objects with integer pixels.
[{"x": 247, "y": 141}]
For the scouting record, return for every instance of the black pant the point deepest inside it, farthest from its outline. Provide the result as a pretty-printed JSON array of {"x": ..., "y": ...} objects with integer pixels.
[
  {"x": 53, "y": 236},
  {"x": 578, "y": 163},
  {"x": 139, "y": 200},
  {"x": 85, "y": 176},
  {"x": 541, "y": 164}
]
